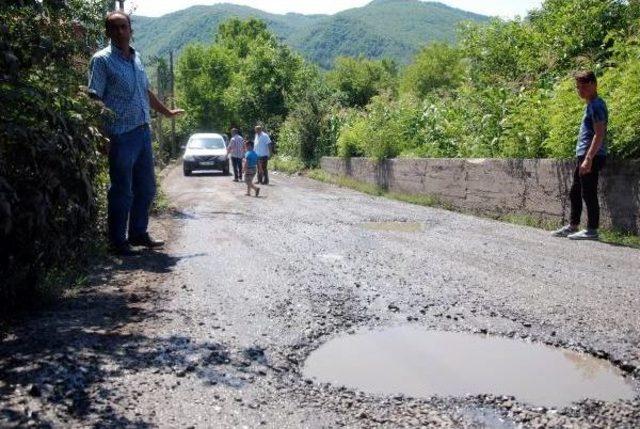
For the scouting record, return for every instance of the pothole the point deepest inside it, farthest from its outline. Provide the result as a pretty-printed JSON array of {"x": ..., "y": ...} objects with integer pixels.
[
  {"x": 395, "y": 226},
  {"x": 421, "y": 363}
]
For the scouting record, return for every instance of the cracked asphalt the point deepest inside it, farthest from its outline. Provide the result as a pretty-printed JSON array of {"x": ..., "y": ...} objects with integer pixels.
[{"x": 214, "y": 330}]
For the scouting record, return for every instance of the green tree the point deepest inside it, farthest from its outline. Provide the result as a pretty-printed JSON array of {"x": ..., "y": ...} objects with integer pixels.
[
  {"x": 502, "y": 52},
  {"x": 437, "y": 67},
  {"x": 359, "y": 79},
  {"x": 242, "y": 79}
]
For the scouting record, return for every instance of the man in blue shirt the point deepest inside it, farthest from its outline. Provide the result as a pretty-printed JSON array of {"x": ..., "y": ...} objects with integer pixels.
[
  {"x": 591, "y": 153},
  {"x": 118, "y": 79}
]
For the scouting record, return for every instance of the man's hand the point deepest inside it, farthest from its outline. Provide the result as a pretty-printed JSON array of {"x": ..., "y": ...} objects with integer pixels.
[
  {"x": 158, "y": 106},
  {"x": 585, "y": 167},
  {"x": 175, "y": 112}
]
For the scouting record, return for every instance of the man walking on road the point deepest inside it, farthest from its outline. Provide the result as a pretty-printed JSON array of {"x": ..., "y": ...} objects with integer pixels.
[
  {"x": 262, "y": 144},
  {"x": 236, "y": 152},
  {"x": 591, "y": 152},
  {"x": 118, "y": 79}
]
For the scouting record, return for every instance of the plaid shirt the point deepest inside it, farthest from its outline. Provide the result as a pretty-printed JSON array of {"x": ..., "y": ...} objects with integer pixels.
[
  {"x": 236, "y": 147},
  {"x": 122, "y": 85}
]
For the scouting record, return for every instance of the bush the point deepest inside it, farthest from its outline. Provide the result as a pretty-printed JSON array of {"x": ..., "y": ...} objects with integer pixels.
[
  {"x": 52, "y": 179},
  {"x": 525, "y": 126},
  {"x": 353, "y": 137},
  {"x": 620, "y": 90},
  {"x": 565, "y": 113}
]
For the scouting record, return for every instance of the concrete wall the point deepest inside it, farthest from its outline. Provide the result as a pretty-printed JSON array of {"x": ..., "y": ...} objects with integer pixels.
[{"x": 499, "y": 186}]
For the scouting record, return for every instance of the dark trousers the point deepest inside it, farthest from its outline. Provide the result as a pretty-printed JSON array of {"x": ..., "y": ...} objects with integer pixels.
[
  {"x": 133, "y": 184},
  {"x": 237, "y": 167},
  {"x": 263, "y": 173},
  {"x": 586, "y": 188}
]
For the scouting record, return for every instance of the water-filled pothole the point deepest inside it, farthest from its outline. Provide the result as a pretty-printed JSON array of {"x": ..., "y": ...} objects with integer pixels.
[
  {"x": 421, "y": 363},
  {"x": 393, "y": 226}
]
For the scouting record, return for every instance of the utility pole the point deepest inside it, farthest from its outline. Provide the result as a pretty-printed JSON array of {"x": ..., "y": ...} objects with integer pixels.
[
  {"x": 174, "y": 145},
  {"x": 121, "y": 5}
]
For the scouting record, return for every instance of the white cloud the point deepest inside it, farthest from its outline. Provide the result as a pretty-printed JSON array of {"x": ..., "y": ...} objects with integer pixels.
[{"x": 503, "y": 8}]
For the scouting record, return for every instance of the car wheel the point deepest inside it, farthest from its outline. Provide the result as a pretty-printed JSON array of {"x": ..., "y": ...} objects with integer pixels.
[{"x": 186, "y": 172}]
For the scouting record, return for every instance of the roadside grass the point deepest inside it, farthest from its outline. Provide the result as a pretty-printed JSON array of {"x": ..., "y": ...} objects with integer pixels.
[
  {"x": 615, "y": 238},
  {"x": 287, "y": 164},
  {"x": 367, "y": 188},
  {"x": 618, "y": 238},
  {"x": 161, "y": 204}
]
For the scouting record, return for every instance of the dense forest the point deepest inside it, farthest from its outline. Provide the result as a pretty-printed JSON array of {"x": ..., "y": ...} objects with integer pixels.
[
  {"x": 504, "y": 90},
  {"x": 394, "y": 29}
]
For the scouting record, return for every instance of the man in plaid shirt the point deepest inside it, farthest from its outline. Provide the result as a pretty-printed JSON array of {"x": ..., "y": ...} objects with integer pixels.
[
  {"x": 118, "y": 79},
  {"x": 236, "y": 152}
]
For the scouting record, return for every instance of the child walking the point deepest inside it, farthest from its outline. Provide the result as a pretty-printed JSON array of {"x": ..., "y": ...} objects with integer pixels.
[{"x": 250, "y": 165}]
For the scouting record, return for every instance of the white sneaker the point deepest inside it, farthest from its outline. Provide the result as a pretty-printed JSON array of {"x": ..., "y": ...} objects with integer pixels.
[
  {"x": 565, "y": 231},
  {"x": 585, "y": 234}
]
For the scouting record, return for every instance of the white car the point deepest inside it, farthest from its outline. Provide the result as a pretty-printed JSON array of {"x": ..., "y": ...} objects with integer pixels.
[{"x": 205, "y": 151}]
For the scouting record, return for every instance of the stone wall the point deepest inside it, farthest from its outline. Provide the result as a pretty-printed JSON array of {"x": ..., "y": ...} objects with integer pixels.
[{"x": 538, "y": 187}]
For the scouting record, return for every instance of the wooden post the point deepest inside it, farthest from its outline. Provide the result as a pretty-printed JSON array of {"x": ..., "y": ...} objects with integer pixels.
[
  {"x": 174, "y": 145},
  {"x": 162, "y": 97}
]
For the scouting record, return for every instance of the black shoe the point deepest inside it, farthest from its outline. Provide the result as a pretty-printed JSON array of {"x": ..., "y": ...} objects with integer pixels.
[
  {"x": 123, "y": 250},
  {"x": 146, "y": 241}
]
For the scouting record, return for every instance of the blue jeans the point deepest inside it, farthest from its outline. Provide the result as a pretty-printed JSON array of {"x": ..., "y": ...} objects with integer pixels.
[{"x": 133, "y": 184}]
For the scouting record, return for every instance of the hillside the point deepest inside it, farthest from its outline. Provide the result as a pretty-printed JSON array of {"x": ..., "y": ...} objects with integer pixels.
[{"x": 384, "y": 28}]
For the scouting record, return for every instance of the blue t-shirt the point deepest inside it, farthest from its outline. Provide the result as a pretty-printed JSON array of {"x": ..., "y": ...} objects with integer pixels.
[
  {"x": 252, "y": 159},
  {"x": 596, "y": 111}
]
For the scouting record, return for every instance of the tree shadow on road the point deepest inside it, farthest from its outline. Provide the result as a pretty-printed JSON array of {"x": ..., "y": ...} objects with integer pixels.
[{"x": 63, "y": 367}]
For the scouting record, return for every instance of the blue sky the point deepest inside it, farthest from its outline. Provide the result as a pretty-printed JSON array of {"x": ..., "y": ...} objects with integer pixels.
[{"x": 502, "y": 8}]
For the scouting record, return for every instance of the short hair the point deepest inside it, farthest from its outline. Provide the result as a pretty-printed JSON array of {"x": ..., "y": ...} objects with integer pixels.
[
  {"x": 234, "y": 131},
  {"x": 258, "y": 127},
  {"x": 111, "y": 14},
  {"x": 249, "y": 143},
  {"x": 585, "y": 76}
]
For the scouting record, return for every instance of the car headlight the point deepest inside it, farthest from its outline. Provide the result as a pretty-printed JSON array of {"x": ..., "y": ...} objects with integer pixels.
[{"x": 189, "y": 158}]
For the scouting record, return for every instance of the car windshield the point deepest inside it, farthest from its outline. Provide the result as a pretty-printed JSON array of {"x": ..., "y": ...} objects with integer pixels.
[{"x": 206, "y": 143}]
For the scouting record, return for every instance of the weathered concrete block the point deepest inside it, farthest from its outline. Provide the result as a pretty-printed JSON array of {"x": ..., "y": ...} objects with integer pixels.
[{"x": 538, "y": 187}]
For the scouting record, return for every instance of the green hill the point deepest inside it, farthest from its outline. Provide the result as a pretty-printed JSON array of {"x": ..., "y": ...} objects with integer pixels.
[{"x": 383, "y": 28}]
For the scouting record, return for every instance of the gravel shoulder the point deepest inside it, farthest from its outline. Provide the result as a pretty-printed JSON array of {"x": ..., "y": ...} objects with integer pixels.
[{"x": 213, "y": 331}]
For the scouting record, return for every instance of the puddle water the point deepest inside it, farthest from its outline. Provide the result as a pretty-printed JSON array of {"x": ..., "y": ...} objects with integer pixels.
[
  {"x": 420, "y": 363},
  {"x": 393, "y": 226}
]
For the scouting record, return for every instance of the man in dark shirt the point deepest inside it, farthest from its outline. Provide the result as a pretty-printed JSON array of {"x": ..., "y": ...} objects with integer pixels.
[
  {"x": 591, "y": 153},
  {"x": 117, "y": 77}
]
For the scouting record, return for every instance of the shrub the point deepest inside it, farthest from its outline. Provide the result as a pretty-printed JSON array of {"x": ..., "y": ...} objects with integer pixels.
[
  {"x": 352, "y": 137},
  {"x": 565, "y": 113},
  {"x": 620, "y": 90},
  {"x": 525, "y": 126},
  {"x": 52, "y": 179}
]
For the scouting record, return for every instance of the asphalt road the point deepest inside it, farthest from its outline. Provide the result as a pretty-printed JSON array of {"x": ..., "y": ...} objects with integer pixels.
[{"x": 248, "y": 287}]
